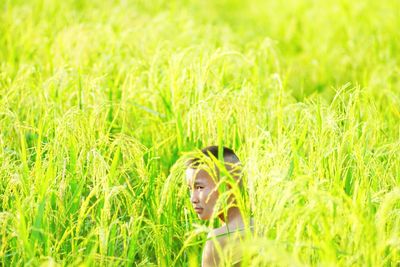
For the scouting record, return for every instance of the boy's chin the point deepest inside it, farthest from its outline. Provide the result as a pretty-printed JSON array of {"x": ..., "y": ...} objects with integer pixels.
[{"x": 204, "y": 217}]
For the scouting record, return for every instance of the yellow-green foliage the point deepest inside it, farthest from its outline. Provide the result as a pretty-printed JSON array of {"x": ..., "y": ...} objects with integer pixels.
[{"x": 99, "y": 99}]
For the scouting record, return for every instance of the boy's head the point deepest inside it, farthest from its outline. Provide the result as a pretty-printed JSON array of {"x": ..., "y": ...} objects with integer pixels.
[{"x": 202, "y": 175}]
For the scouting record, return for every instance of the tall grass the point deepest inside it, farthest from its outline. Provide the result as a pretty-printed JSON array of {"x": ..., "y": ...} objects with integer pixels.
[{"x": 99, "y": 99}]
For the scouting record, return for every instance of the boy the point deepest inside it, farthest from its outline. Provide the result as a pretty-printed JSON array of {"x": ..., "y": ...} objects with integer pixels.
[{"x": 203, "y": 175}]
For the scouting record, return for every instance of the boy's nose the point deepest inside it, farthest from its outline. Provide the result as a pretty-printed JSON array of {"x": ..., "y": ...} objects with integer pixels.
[{"x": 194, "y": 198}]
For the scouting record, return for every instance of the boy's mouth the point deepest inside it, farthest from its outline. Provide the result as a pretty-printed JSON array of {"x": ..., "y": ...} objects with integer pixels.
[{"x": 198, "y": 209}]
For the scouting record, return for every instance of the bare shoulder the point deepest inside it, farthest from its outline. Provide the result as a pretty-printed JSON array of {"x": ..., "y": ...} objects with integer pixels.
[
  {"x": 217, "y": 240},
  {"x": 217, "y": 232},
  {"x": 209, "y": 257},
  {"x": 213, "y": 246}
]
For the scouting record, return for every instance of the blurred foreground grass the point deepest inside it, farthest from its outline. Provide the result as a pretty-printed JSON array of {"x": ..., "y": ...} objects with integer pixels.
[{"x": 98, "y": 99}]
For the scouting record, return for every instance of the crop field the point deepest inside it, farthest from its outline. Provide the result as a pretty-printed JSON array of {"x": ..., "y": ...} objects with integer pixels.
[{"x": 100, "y": 100}]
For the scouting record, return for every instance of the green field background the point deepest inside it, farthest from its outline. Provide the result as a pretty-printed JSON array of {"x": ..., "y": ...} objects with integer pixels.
[{"x": 99, "y": 100}]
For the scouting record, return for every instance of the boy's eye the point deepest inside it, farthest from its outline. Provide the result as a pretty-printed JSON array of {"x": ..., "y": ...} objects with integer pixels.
[{"x": 199, "y": 187}]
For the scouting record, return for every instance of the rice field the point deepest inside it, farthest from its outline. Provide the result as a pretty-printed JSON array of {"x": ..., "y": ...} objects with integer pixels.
[{"x": 100, "y": 100}]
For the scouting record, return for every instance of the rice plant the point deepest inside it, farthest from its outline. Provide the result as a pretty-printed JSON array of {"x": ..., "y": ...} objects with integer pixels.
[{"x": 100, "y": 101}]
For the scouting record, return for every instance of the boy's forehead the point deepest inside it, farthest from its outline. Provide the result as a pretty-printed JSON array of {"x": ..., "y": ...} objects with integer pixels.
[{"x": 198, "y": 175}]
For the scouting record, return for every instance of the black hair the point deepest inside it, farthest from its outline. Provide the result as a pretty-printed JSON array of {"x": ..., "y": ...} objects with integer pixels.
[{"x": 227, "y": 153}]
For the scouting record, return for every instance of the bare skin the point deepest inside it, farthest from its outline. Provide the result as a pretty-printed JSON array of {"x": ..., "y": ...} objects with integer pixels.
[{"x": 220, "y": 238}]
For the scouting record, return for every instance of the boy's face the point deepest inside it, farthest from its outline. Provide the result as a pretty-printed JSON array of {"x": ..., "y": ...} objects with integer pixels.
[{"x": 203, "y": 192}]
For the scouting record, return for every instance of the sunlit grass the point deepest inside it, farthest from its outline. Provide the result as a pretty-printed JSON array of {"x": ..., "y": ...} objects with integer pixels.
[{"x": 99, "y": 99}]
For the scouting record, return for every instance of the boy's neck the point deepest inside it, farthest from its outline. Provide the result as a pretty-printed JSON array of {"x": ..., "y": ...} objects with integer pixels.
[{"x": 234, "y": 218}]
